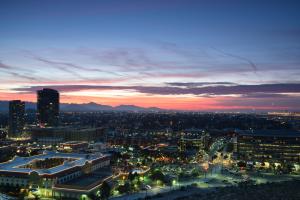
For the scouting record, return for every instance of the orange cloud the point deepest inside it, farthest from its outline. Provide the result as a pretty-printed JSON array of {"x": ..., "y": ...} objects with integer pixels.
[{"x": 164, "y": 102}]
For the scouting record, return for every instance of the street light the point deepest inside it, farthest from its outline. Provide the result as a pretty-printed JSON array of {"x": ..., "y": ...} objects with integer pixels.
[
  {"x": 141, "y": 178},
  {"x": 174, "y": 182},
  {"x": 205, "y": 167}
]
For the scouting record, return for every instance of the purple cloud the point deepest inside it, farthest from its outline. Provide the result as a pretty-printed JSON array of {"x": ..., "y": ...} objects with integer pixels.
[
  {"x": 210, "y": 90},
  {"x": 198, "y": 84}
]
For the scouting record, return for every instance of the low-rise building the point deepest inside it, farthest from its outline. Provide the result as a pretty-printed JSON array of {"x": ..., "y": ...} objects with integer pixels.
[
  {"x": 56, "y": 135},
  {"x": 47, "y": 173},
  {"x": 74, "y": 146}
]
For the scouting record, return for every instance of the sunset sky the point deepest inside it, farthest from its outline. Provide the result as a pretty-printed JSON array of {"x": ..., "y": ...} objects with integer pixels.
[{"x": 175, "y": 54}]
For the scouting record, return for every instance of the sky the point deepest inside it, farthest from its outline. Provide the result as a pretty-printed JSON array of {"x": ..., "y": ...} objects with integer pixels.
[{"x": 171, "y": 54}]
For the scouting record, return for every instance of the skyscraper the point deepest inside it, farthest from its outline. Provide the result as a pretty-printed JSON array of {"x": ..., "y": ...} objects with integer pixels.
[
  {"x": 16, "y": 119},
  {"x": 48, "y": 107}
]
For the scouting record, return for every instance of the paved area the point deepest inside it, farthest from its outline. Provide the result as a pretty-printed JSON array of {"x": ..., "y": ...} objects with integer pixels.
[
  {"x": 204, "y": 185},
  {"x": 6, "y": 197}
]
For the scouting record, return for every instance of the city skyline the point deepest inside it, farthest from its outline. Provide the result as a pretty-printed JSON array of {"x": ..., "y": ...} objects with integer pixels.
[{"x": 184, "y": 55}]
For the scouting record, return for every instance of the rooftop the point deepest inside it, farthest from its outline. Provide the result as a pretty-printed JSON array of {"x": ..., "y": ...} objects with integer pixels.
[
  {"x": 273, "y": 133},
  {"x": 16, "y": 163}
]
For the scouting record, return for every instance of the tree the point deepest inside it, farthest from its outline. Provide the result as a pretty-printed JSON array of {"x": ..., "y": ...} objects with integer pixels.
[
  {"x": 132, "y": 176},
  {"x": 230, "y": 147},
  {"x": 195, "y": 172},
  {"x": 214, "y": 157},
  {"x": 126, "y": 188},
  {"x": 287, "y": 168},
  {"x": 105, "y": 190},
  {"x": 241, "y": 164},
  {"x": 36, "y": 196},
  {"x": 158, "y": 175},
  {"x": 92, "y": 196}
]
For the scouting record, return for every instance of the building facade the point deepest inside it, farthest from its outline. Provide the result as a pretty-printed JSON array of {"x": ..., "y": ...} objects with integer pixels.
[
  {"x": 57, "y": 135},
  {"x": 16, "y": 119},
  {"x": 48, "y": 107},
  {"x": 269, "y": 146},
  {"x": 53, "y": 181}
]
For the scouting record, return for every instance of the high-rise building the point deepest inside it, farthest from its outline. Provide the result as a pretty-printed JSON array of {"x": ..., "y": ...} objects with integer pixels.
[
  {"x": 16, "y": 119},
  {"x": 48, "y": 107}
]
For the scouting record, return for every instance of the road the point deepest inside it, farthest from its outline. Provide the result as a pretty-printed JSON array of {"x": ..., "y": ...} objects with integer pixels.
[{"x": 6, "y": 197}]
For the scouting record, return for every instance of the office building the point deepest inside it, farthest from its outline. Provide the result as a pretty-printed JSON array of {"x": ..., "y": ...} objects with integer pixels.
[
  {"x": 57, "y": 175},
  {"x": 48, "y": 107},
  {"x": 16, "y": 119},
  {"x": 272, "y": 146},
  {"x": 57, "y": 135}
]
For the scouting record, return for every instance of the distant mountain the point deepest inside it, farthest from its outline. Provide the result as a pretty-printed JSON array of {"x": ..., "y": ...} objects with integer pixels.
[
  {"x": 135, "y": 108},
  {"x": 129, "y": 108},
  {"x": 84, "y": 107}
]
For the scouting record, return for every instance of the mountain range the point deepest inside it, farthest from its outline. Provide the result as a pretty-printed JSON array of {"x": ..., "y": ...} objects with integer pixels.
[{"x": 86, "y": 107}]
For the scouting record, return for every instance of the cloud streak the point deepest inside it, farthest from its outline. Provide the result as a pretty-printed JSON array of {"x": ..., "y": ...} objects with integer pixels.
[
  {"x": 250, "y": 62},
  {"x": 62, "y": 66},
  {"x": 199, "y": 84},
  {"x": 13, "y": 72}
]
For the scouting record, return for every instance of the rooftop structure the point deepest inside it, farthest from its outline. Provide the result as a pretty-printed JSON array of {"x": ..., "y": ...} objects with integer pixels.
[
  {"x": 271, "y": 133},
  {"x": 80, "y": 160},
  {"x": 54, "y": 173}
]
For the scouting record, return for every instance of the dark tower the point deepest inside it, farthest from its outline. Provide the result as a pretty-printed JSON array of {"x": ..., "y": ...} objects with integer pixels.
[
  {"x": 16, "y": 118},
  {"x": 48, "y": 107}
]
